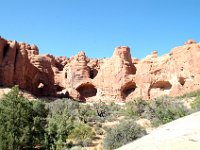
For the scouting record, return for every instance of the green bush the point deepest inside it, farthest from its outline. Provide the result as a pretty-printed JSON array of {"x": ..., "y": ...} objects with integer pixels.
[
  {"x": 123, "y": 133},
  {"x": 115, "y": 108},
  {"x": 195, "y": 105},
  {"x": 87, "y": 113},
  {"x": 59, "y": 105},
  {"x": 164, "y": 110},
  {"x": 21, "y": 122},
  {"x": 81, "y": 133},
  {"x": 135, "y": 108},
  {"x": 58, "y": 129}
]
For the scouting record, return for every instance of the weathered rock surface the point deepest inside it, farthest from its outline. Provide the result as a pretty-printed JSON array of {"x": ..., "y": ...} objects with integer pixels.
[
  {"x": 181, "y": 134},
  {"x": 118, "y": 78}
]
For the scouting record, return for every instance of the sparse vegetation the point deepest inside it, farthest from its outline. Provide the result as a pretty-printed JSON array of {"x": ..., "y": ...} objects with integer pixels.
[
  {"x": 195, "y": 105},
  {"x": 65, "y": 124},
  {"x": 136, "y": 108},
  {"x": 164, "y": 110},
  {"x": 190, "y": 94},
  {"x": 123, "y": 133},
  {"x": 159, "y": 111}
]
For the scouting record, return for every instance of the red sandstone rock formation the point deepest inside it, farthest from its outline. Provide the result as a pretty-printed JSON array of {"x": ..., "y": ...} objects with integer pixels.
[{"x": 118, "y": 78}]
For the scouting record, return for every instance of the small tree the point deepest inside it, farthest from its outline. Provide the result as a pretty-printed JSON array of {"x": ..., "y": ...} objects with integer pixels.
[
  {"x": 58, "y": 129},
  {"x": 21, "y": 122},
  {"x": 39, "y": 115}
]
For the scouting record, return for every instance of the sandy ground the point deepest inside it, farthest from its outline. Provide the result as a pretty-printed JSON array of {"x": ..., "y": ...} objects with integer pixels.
[{"x": 181, "y": 134}]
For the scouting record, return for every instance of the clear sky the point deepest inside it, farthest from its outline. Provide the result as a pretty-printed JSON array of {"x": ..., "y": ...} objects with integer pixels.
[{"x": 64, "y": 27}]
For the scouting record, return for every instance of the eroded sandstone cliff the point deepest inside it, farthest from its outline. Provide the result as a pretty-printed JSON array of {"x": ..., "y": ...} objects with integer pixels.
[{"x": 118, "y": 78}]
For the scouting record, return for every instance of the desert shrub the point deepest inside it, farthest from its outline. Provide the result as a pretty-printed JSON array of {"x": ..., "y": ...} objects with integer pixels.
[
  {"x": 72, "y": 106},
  {"x": 123, "y": 133},
  {"x": 190, "y": 94},
  {"x": 87, "y": 113},
  {"x": 87, "y": 142},
  {"x": 115, "y": 108},
  {"x": 164, "y": 110},
  {"x": 195, "y": 105},
  {"x": 56, "y": 107},
  {"x": 59, "y": 105},
  {"x": 81, "y": 133},
  {"x": 102, "y": 110},
  {"x": 135, "y": 108},
  {"x": 106, "y": 128}
]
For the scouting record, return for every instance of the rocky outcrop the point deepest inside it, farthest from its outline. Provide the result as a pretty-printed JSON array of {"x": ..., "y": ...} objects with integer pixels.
[
  {"x": 181, "y": 134},
  {"x": 118, "y": 78},
  {"x": 20, "y": 64}
]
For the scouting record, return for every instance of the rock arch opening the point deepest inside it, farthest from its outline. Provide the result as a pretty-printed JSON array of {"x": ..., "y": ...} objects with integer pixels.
[
  {"x": 87, "y": 90},
  {"x": 128, "y": 88},
  {"x": 93, "y": 73},
  {"x": 159, "y": 88},
  {"x": 164, "y": 85}
]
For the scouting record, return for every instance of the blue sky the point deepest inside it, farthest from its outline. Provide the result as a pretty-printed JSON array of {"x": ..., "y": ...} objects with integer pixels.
[{"x": 64, "y": 27}]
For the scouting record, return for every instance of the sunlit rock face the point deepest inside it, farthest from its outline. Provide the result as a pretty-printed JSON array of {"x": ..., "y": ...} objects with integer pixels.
[{"x": 119, "y": 78}]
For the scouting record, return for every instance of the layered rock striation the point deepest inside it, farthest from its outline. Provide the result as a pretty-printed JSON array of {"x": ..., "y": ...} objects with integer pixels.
[{"x": 118, "y": 78}]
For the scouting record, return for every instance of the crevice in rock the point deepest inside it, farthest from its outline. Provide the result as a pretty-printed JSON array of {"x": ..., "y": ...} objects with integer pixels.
[
  {"x": 58, "y": 88},
  {"x": 5, "y": 50},
  {"x": 59, "y": 66},
  {"x": 128, "y": 88},
  {"x": 181, "y": 80},
  {"x": 15, "y": 62},
  {"x": 87, "y": 90},
  {"x": 65, "y": 75}
]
